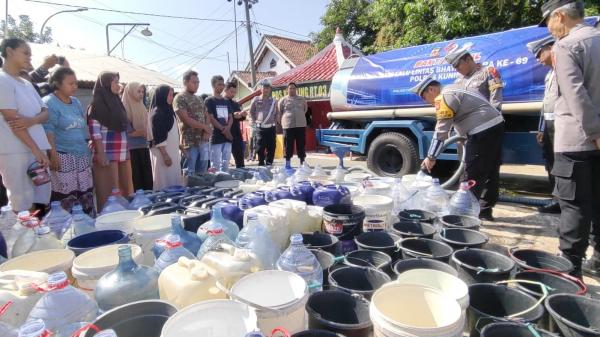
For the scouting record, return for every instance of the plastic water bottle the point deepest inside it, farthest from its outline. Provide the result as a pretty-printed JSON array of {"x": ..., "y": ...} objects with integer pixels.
[
  {"x": 58, "y": 219},
  {"x": 112, "y": 205},
  {"x": 216, "y": 217},
  {"x": 255, "y": 237},
  {"x": 299, "y": 260},
  {"x": 120, "y": 199},
  {"x": 190, "y": 240},
  {"x": 463, "y": 201},
  {"x": 81, "y": 223},
  {"x": 401, "y": 197},
  {"x": 173, "y": 251},
  {"x": 34, "y": 328},
  {"x": 63, "y": 305},
  {"x": 25, "y": 233},
  {"x": 8, "y": 219},
  {"x": 45, "y": 239},
  {"x": 216, "y": 237},
  {"x": 436, "y": 199},
  {"x": 139, "y": 200}
]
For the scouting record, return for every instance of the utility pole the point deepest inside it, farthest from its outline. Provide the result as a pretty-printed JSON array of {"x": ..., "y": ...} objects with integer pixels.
[
  {"x": 237, "y": 57},
  {"x": 249, "y": 30},
  {"x": 6, "y": 21}
]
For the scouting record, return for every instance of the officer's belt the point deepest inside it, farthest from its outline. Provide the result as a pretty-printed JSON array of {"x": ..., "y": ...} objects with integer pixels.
[
  {"x": 549, "y": 116},
  {"x": 487, "y": 125}
]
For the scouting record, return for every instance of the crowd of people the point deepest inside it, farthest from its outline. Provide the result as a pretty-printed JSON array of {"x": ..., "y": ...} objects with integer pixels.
[{"x": 52, "y": 148}]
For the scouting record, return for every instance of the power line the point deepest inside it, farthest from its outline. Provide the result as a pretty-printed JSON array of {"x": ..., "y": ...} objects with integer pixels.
[{"x": 278, "y": 29}]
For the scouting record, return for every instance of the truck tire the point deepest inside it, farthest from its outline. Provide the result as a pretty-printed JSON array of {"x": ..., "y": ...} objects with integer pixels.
[{"x": 392, "y": 154}]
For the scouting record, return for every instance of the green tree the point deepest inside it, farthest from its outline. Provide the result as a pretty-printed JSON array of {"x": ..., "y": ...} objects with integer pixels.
[{"x": 24, "y": 29}]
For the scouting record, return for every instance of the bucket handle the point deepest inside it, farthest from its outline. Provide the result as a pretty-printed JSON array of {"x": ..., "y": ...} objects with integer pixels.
[
  {"x": 539, "y": 302},
  {"x": 224, "y": 289},
  {"x": 583, "y": 287},
  {"x": 477, "y": 268},
  {"x": 399, "y": 248},
  {"x": 512, "y": 255},
  {"x": 532, "y": 329},
  {"x": 85, "y": 328},
  {"x": 283, "y": 331},
  {"x": 478, "y": 328},
  {"x": 367, "y": 262}
]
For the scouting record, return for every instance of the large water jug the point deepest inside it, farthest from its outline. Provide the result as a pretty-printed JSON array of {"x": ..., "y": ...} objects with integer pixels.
[
  {"x": 128, "y": 282},
  {"x": 45, "y": 239},
  {"x": 63, "y": 305},
  {"x": 216, "y": 238},
  {"x": 301, "y": 261},
  {"x": 24, "y": 229},
  {"x": 58, "y": 219},
  {"x": 139, "y": 200},
  {"x": 229, "y": 264},
  {"x": 18, "y": 293},
  {"x": 463, "y": 201},
  {"x": 299, "y": 219},
  {"x": 112, "y": 205},
  {"x": 8, "y": 219},
  {"x": 173, "y": 251},
  {"x": 277, "y": 222},
  {"x": 190, "y": 240},
  {"x": 81, "y": 223},
  {"x": 230, "y": 228},
  {"x": 255, "y": 237},
  {"x": 435, "y": 198},
  {"x": 120, "y": 199}
]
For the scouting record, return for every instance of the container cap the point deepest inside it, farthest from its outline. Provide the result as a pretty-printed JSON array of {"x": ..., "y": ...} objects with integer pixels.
[
  {"x": 57, "y": 279},
  {"x": 296, "y": 239}
]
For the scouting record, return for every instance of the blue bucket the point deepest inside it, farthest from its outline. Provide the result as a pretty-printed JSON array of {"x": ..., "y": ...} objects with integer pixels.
[{"x": 89, "y": 241}]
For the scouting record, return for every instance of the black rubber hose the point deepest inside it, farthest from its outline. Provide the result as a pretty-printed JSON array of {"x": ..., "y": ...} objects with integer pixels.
[{"x": 524, "y": 200}]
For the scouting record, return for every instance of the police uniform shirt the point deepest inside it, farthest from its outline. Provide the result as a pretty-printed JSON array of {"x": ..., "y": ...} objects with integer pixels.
[
  {"x": 293, "y": 112},
  {"x": 550, "y": 96},
  {"x": 487, "y": 81}
]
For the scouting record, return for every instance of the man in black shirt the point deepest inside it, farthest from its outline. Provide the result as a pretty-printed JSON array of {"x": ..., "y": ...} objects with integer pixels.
[
  {"x": 222, "y": 120},
  {"x": 237, "y": 145}
]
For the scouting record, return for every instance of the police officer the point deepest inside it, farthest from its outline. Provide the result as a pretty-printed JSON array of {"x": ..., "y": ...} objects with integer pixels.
[
  {"x": 577, "y": 130},
  {"x": 474, "y": 117},
  {"x": 485, "y": 80},
  {"x": 542, "y": 49}
]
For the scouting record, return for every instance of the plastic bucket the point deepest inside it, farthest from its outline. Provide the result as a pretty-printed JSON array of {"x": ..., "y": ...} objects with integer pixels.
[
  {"x": 326, "y": 260},
  {"x": 149, "y": 229},
  {"x": 369, "y": 258},
  {"x": 491, "y": 303},
  {"x": 378, "y": 210},
  {"x": 459, "y": 238},
  {"x": 278, "y": 297},
  {"x": 510, "y": 329},
  {"x": 528, "y": 259},
  {"x": 222, "y": 318},
  {"x": 358, "y": 280},
  {"x": 575, "y": 316},
  {"x": 89, "y": 241},
  {"x": 122, "y": 220},
  {"x": 47, "y": 261},
  {"x": 417, "y": 215},
  {"x": 316, "y": 333},
  {"x": 448, "y": 284},
  {"x": 344, "y": 222},
  {"x": 322, "y": 241},
  {"x": 413, "y": 229},
  {"x": 423, "y": 263},
  {"x": 337, "y": 311},
  {"x": 142, "y": 318},
  {"x": 419, "y": 247},
  {"x": 90, "y": 266},
  {"x": 460, "y": 221},
  {"x": 380, "y": 241},
  {"x": 481, "y": 266},
  {"x": 412, "y": 310}
]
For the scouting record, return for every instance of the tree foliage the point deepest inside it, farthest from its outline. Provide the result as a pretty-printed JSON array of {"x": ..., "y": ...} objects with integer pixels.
[
  {"x": 379, "y": 25},
  {"x": 24, "y": 29}
]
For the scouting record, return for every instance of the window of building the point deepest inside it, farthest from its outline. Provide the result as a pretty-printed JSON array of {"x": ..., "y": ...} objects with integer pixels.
[{"x": 273, "y": 63}]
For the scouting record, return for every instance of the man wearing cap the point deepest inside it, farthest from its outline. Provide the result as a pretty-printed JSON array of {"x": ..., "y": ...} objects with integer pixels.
[
  {"x": 577, "y": 130},
  {"x": 474, "y": 117},
  {"x": 542, "y": 49},
  {"x": 486, "y": 80},
  {"x": 264, "y": 112}
]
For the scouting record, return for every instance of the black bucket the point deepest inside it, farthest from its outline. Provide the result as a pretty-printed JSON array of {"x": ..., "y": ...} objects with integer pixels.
[
  {"x": 340, "y": 312},
  {"x": 459, "y": 238},
  {"x": 380, "y": 241},
  {"x": 575, "y": 316},
  {"x": 418, "y": 247},
  {"x": 530, "y": 259},
  {"x": 460, "y": 221},
  {"x": 358, "y": 280},
  {"x": 370, "y": 259},
  {"x": 481, "y": 266},
  {"x": 413, "y": 229},
  {"x": 344, "y": 222},
  {"x": 417, "y": 215},
  {"x": 510, "y": 329},
  {"x": 322, "y": 241},
  {"x": 490, "y": 303},
  {"x": 423, "y": 263},
  {"x": 316, "y": 333},
  {"x": 326, "y": 260}
]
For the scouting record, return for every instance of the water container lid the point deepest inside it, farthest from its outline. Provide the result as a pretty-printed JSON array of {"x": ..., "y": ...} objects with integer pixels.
[
  {"x": 116, "y": 191},
  {"x": 58, "y": 280},
  {"x": 77, "y": 207},
  {"x": 112, "y": 198},
  {"x": 55, "y": 203},
  {"x": 215, "y": 231},
  {"x": 33, "y": 328},
  {"x": 296, "y": 239},
  {"x": 22, "y": 214}
]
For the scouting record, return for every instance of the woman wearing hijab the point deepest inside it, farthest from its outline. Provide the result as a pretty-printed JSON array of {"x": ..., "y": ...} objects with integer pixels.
[
  {"x": 133, "y": 100},
  {"x": 108, "y": 125},
  {"x": 164, "y": 140}
]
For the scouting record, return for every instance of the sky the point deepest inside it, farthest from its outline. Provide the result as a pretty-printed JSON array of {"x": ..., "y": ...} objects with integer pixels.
[{"x": 176, "y": 45}]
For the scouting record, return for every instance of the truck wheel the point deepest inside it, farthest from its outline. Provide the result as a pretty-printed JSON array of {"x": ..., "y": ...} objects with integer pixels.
[{"x": 392, "y": 154}]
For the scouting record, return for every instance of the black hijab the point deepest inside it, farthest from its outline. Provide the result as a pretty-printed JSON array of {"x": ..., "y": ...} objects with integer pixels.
[
  {"x": 163, "y": 115},
  {"x": 106, "y": 106}
]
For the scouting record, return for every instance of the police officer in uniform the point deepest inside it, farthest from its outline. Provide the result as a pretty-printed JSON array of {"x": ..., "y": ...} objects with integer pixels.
[
  {"x": 577, "y": 130},
  {"x": 485, "y": 80},
  {"x": 474, "y": 117},
  {"x": 542, "y": 49}
]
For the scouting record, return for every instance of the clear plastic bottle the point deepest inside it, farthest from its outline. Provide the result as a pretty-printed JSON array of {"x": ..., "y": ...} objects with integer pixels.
[
  {"x": 190, "y": 240},
  {"x": 401, "y": 197},
  {"x": 63, "y": 305},
  {"x": 120, "y": 199},
  {"x": 216, "y": 217},
  {"x": 299, "y": 260},
  {"x": 128, "y": 282},
  {"x": 139, "y": 200},
  {"x": 58, "y": 219},
  {"x": 81, "y": 223},
  {"x": 255, "y": 237},
  {"x": 8, "y": 219},
  {"x": 112, "y": 205},
  {"x": 216, "y": 237},
  {"x": 45, "y": 239},
  {"x": 173, "y": 251},
  {"x": 34, "y": 328},
  {"x": 25, "y": 233},
  {"x": 463, "y": 201},
  {"x": 435, "y": 198}
]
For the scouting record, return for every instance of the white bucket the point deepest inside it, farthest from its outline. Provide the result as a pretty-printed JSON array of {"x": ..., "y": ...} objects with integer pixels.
[
  {"x": 448, "y": 284},
  {"x": 147, "y": 230},
  {"x": 47, "y": 261},
  {"x": 90, "y": 266},
  {"x": 285, "y": 295},
  {"x": 377, "y": 187},
  {"x": 122, "y": 220},
  {"x": 378, "y": 210},
  {"x": 215, "y": 318},
  {"x": 356, "y": 177},
  {"x": 425, "y": 312}
]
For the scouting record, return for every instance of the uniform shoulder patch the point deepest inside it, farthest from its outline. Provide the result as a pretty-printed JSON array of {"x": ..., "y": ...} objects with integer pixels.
[
  {"x": 493, "y": 72},
  {"x": 442, "y": 110}
]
